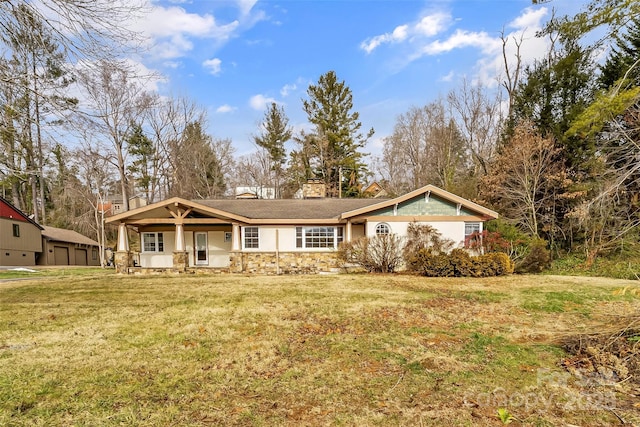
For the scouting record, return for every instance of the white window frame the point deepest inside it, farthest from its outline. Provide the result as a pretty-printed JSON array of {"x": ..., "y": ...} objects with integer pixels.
[
  {"x": 255, "y": 238},
  {"x": 477, "y": 228},
  {"x": 157, "y": 242},
  {"x": 304, "y": 239},
  {"x": 379, "y": 229}
]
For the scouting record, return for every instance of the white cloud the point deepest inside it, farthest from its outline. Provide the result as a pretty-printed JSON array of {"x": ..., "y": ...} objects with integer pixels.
[
  {"x": 245, "y": 6},
  {"x": 170, "y": 32},
  {"x": 427, "y": 26},
  {"x": 287, "y": 89},
  {"x": 462, "y": 39},
  {"x": 223, "y": 109},
  {"x": 172, "y": 64},
  {"x": 530, "y": 18},
  {"x": 259, "y": 102},
  {"x": 167, "y": 22},
  {"x": 448, "y": 77},
  {"x": 431, "y": 25},
  {"x": 213, "y": 66},
  {"x": 491, "y": 67},
  {"x": 399, "y": 34}
]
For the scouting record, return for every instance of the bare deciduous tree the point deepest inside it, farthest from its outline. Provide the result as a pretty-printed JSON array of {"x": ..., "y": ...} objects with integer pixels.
[
  {"x": 524, "y": 177},
  {"x": 116, "y": 99},
  {"x": 480, "y": 122},
  {"x": 426, "y": 147}
]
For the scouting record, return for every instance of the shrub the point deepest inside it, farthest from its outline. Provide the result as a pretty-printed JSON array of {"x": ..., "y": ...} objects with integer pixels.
[
  {"x": 423, "y": 236},
  {"x": 496, "y": 264},
  {"x": 428, "y": 263},
  {"x": 538, "y": 258},
  {"x": 379, "y": 254},
  {"x": 460, "y": 264},
  {"x": 463, "y": 265}
]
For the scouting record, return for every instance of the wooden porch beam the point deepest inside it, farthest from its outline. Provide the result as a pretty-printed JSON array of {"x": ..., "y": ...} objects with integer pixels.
[{"x": 173, "y": 221}]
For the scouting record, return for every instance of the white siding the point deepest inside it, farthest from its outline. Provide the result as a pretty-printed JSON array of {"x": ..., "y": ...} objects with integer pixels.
[
  {"x": 453, "y": 230},
  {"x": 162, "y": 259}
]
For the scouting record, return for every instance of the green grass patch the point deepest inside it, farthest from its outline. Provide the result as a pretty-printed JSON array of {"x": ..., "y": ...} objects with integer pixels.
[
  {"x": 319, "y": 350},
  {"x": 616, "y": 267}
]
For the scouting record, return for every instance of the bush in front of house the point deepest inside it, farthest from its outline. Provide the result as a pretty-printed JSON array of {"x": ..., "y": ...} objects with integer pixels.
[
  {"x": 459, "y": 263},
  {"x": 378, "y": 254},
  {"x": 425, "y": 252}
]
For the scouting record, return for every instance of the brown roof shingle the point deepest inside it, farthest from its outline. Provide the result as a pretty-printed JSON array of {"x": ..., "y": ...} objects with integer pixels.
[
  {"x": 62, "y": 235},
  {"x": 289, "y": 208}
]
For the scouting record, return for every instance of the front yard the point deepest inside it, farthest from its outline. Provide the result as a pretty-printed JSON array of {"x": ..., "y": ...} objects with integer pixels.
[{"x": 100, "y": 349}]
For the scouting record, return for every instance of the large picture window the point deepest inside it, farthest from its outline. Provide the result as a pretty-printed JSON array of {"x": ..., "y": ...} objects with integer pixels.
[
  {"x": 319, "y": 237},
  {"x": 251, "y": 238},
  {"x": 152, "y": 242}
]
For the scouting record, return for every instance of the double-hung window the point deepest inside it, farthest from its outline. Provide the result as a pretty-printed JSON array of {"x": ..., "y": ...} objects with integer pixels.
[
  {"x": 470, "y": 228},
  {"x": 319, "y": 237},
  {"x": 152, "y": 242},
  {"x": 251, "y": 237}
]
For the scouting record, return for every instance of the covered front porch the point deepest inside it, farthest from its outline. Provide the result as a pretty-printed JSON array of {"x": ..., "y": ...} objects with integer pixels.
[{"x": 176, "y": 236}]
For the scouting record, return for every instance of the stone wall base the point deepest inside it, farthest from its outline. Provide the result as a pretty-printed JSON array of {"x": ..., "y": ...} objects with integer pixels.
[
  {"x": 284, "y": 263},
  {"x": 123, "y": 260},
  {"x": 180, "y": 261}
]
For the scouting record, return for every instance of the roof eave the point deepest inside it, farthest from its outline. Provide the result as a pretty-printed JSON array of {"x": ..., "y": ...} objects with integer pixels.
[{"x": 431, "y": 188}]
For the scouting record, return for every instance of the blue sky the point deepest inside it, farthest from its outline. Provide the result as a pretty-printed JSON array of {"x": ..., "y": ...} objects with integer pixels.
[{"x": 235, "y": 57}]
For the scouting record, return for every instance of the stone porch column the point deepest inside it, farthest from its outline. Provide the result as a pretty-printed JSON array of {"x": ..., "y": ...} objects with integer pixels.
[
  {"x": 180, "y": 261},
  {"x": 123, "y": 258},
  {"x": 180, "y": 255}
]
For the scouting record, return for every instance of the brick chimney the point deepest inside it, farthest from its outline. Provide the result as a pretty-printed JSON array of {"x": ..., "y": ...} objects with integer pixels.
[{"x": 314, "y": 189}]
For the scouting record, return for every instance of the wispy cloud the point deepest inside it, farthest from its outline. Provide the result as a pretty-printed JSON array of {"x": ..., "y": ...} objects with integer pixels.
[
  {"x": 428, "y": 36},
  {"x": 425, "y": 27},
  {"x": 224, "y": 109},
  {"x": 462, "y": 39},
  {"x": 448, "y": 77},
  {"x": 213, "y": 66},
  {"x": 490, "y": 67},
  {"x": 289, "y": 88},
  {"x": 172, "y": 32},
  {"x": 259, "y": 102}
]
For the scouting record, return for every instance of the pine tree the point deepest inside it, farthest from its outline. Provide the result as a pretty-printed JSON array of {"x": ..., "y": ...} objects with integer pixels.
[
  {"x": 276, "y": 132},
  {"x": 335, "y": 147},
  {"x": 623, "y": 59}
]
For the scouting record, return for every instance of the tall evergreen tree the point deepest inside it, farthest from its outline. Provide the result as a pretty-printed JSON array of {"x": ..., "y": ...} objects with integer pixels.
[
  {"x": 623, "y": 58},
  {"x": 143, "y": 153},
  {"x": 275, "y": 133},
  {"x": 335, "y": 148}
]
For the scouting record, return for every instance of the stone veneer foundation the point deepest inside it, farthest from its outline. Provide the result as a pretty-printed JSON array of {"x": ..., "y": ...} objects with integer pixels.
[
  {"x": 180, "y": 261},
  {"x": 123, "y": 260},
  {"x": 284, "y": 262}
]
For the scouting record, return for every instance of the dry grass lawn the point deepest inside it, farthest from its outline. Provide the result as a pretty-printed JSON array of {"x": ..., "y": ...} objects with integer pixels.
[{"x": 365, "y": 350}]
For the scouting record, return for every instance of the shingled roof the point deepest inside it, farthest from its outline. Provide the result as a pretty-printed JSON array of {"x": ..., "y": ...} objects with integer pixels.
[
  {"x": 70, "y": 236},
  {"x": 289, "y": 208}
]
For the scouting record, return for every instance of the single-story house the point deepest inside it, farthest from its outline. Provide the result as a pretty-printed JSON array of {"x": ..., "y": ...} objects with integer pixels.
[
  {"x": 19, "y": 236},
  {"x": 67, "y": 247},
  {"x": 283, "y": 235}
]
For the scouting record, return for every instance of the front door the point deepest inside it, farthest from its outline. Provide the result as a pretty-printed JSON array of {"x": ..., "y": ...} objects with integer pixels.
[{"x": 202, "y": 252}]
